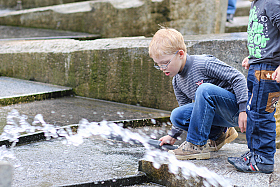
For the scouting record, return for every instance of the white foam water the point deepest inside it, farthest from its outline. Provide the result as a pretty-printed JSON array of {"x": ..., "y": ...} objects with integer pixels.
[{"x": 17, "y": 124}]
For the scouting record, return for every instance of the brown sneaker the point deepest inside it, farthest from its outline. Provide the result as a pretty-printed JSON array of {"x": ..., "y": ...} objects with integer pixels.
[
  {"x": 188, "y": 151},
  {"x": 227, "y": 137}
]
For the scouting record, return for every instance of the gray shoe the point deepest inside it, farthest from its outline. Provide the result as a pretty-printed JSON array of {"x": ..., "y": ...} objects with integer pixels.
[
  {"x": 230, "y": 17},
  {"x": 251, "y": 166},
  {"x": 244, "y": 157}
]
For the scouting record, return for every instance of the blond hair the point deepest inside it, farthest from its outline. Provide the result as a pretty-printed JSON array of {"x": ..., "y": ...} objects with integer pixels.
[{"x": 166, "y": 41}]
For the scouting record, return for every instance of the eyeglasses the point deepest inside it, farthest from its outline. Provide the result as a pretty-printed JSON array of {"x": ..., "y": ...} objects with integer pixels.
[{"x": 164, "y": 67}]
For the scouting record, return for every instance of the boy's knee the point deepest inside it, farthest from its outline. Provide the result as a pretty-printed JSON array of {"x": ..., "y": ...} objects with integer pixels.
[
  {"x": 182, "y": 113},
  {"x": 204, "y": 88},
  {"x": 175, "y": 114}
]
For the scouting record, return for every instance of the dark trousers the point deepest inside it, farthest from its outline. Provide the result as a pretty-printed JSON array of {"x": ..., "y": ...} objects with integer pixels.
[{"x": 263, "y": 94}]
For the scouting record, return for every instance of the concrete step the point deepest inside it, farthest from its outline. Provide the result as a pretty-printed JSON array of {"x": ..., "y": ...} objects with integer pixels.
[
  {"x": 23, "y": 33},
  {"x": 217, "y": 163},
  {"x": 17, "y": 90},
  {"x": 86, "y": 66},
  {"x": 26, "y": 4},
  {"x": 241, "y": 17},
  {"x": 242, "y": 8},
  {"x": 52, "y": 102},
  {"x": 239, "y": 24},
  {"x": 123, "y": 17},
  {"x": 97, "y": 161},
  {"x": 101, "y": 162}
]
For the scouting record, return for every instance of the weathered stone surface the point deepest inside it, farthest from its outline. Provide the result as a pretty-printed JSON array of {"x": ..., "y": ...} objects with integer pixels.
[
  {"x": 6, "y": 174},
  {"x": 111, "y": 69},
  {"x": 242, "y": 8},
  {"x": 8, "y": 32},
  {"x": 114, "y": 18},
  {"x": 164, "y": 177},
  {"x": 230, "y": 48},
  {"x": 239, "y": 24},
  {"x": 198, "y": 17},
  {"x": 33, "y": 3},
  {"x": 217, "y": 163}
]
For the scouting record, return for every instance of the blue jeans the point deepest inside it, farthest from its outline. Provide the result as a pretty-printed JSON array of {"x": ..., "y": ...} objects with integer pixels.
[
  {"x": 214, "y": 109},
  {"x": 263, "y": 97},
  {"x": 231, "y": 6}
]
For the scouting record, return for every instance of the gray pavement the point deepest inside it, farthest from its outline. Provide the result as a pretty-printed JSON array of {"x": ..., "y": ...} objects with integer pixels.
[
  {"x": 52, "y": 163},
  {"x": 11, "y": 87}
]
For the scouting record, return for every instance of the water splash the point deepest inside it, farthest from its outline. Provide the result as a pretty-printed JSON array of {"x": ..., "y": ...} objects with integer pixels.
[
  {"x": 5, "y": 153},
  {"x": 17, "y": 124}
]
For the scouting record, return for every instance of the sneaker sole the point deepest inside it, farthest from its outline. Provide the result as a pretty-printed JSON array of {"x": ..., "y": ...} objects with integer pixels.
[
  {"x": 200, "y": 156},
  {"x": 266, "y": 172},
  {"x": 233, "y": 160},
  {"x": 228, "y": 140},
  {"x": 239, "y": 169}
]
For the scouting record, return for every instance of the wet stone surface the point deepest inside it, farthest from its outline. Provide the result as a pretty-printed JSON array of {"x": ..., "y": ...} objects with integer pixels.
[
  {"x": 54, "y": 163},
  {"x": 51, "y": 163},
  {"x": 70, "y": 110}
]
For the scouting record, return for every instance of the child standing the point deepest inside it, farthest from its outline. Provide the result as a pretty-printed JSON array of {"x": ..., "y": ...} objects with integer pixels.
[
  {"x": 263, "y": 64},
  {"x": 231, "y": 10},
  {"x": 219, "y": 92}
]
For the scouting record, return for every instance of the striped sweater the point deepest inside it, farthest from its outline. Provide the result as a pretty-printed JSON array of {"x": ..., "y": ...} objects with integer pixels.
[{"x": 207, "y": 69}]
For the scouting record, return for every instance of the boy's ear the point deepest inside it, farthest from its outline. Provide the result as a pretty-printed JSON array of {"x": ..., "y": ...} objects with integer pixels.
[{"x": 181, "y": 53}]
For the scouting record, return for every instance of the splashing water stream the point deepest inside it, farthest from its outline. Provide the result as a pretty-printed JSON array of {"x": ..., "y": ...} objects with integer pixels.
[{"x": 17, "y": 124}]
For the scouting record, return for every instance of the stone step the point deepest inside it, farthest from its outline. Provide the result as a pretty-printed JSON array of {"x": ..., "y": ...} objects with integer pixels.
[
  {"x": 91, "y": 72},
  {"x": 19, "y": 33},
  {"x": 6, "y": 173},
  {"x": 124, "y": 17},
  {"x": 97, "y": 68},
  {"x": 17, "y": 91},
  {"x": 239, "y": 24},
  {"x": 242, "y": 8},
  {"x": 241, "y": 17},
  {"x": 83, "y": 163},
  {"x": 225, "y": 173},
  {"x": 95, "y": 162},
  {"x": 26, "y": 4},
  {"x": 87, "y": 163}
]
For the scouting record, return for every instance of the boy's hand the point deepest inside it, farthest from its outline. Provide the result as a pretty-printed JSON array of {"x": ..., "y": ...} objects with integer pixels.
[
  {"x": 242, "y": 121},
  {"x": 276, "y": 75},
  {"x": 245, "y": 63},
  {"x": 167, "y": 140}
]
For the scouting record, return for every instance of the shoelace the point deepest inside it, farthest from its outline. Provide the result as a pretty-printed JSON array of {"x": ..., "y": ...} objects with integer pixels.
[
  {"x": 213, "y": 144},
  {"x": 247, "y": 156},
  {"x": 182, "y": 145},
  {"x": 251, "y": 161}
]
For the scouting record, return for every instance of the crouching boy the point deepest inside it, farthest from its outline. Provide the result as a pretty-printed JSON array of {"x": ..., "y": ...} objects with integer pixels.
[{"x": 218, "y": 90}]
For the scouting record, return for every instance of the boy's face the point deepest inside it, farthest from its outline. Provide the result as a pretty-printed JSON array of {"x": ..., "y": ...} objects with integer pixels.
[{"x": 170, "y": 64}]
